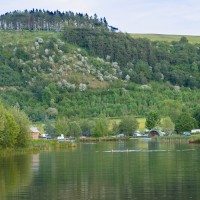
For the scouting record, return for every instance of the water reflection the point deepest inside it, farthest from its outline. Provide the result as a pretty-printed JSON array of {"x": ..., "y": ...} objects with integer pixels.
[
  {"x": 92, "y": 171},
  {"x": 15, "y": 174}
]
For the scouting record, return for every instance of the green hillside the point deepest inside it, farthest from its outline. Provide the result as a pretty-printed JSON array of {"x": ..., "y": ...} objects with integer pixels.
[
  {"x": 85, "y": 69},
  {"x": 166, "y": 38}
]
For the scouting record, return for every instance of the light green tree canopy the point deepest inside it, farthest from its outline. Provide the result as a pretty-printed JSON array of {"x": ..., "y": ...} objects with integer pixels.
[
  {"x": 185, "y": 122},
  {"x": 152, "y": 120},
  {"x": 74, "y": 129},
  {"x": 61, "y": 126},
  {"x": 14, "y": 127},
  {"x": 23, "y": 122},
  {"x": 128, "y": 125},
  {"x": 101, "y": 127},
  {"x": 167, "y": 125}
]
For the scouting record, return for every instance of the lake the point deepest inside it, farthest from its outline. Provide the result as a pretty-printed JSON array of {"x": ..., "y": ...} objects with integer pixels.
[{"x": 136, "y": 170}]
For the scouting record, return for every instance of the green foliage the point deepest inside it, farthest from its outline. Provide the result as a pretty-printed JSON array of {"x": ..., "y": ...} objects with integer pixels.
[
  {"x": 167, "y": 125},
  {"x": 140, "y": 59},
  {"x": 86, "y": 127},
  {"x": 9, "y": 77},
  {"x": 74, "y": 129},
  {"x": 101, "y": 127},
  {"x": 14, "y": 128},
  {"x": 185, "y": 122},
  {"x": 52, "y": 113},
  {"x": 171, "y": 108},
  {"x": 196, "y": 115},
  {"x": 152, "y": 120},
  {"x": 20, "y": 53},
  {"x": 121, "y": 75},
  {"x": 128, "y": 125},
  {"x": 48, "y": 20},
  {"x": 9, "y": 130},
  {"x": 49, "y": 128},
  {"x": 115, "y": 128},
  {"x": 61, "y": 126},
  {"x": 166, "y": 38},
  {"x": 23, "y": 137}
]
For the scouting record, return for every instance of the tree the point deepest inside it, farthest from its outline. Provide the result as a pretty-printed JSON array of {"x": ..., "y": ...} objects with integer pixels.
[
  {"x": 115, "y": 128},
  {"x": 10, "y": 131},
  {"x": 152, "y": 120},
  {"x": 183, "y": 40},
  {"x": 128, "y": 125},
  {"x": 167, "y": 125},
  {"x": 49, "y": 128},
  {"x": 74, "y": 129},
  {"x": 52, "y": 112},
  {"x": 171, "y": 108},
  {"x": 101, "y": 127},
  {"x": 185, "y": 123},
  {"x": 86, "y": 127},
  {"x": 196, "y": 115},
  {"x": 23, "y": 123},
  {"x": 61, "y": 126},
  {"x": 2, "y": 118}
]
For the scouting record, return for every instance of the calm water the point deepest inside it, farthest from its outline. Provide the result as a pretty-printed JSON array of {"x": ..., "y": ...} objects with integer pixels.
[{"x": 141, "y": 170}]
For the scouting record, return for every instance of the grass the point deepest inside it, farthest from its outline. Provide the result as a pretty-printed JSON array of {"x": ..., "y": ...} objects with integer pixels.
[
  {"x": 101, "y": 139},
  {"x": 141, "y": 122},
  {"x": 167, "y": 38},
  {"x": 178, "y": 138},
  {"x": 50, "y": 144},
  {"x": 37, "y": 146},
  {"x": 25, "y": 37}
]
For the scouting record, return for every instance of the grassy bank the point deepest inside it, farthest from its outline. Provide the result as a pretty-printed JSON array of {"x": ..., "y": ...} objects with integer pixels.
[
  {"x": 102, "y": 139},
  {"x": 50, "y": 144},
  {"x": 178, "y": 138},
  {"x": 37, "y": 146}
]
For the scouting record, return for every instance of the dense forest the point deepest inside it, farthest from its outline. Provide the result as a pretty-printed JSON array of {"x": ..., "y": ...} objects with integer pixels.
[{"x": 81, "y": 67}]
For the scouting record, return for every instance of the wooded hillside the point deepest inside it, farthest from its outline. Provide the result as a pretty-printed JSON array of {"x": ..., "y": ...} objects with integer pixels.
[{"x": 88, "y": 69}]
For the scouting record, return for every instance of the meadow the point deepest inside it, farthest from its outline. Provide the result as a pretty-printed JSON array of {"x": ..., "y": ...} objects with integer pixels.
[
  {"x": 166, "y": 38},
  {"x": 25, "y": 37}
]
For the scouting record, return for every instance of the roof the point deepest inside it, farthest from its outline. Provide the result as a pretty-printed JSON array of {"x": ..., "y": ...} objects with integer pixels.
[
  {"x": 154, "y": 132},
  {"x": 34, "y": 130}
]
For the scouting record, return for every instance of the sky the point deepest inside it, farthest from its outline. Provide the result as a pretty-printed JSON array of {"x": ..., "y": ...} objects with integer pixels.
[{"x": 177, "y": 17}]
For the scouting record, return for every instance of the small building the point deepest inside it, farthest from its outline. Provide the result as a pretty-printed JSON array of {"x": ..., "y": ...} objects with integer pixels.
[{"x": 34, "y": 133}]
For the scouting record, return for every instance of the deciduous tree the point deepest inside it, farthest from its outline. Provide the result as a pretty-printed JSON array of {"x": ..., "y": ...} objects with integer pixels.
[
  {"x": 128, "y": 125},
  {"x": 152, "y": 120},
  {"x": 185, "y": 122}
]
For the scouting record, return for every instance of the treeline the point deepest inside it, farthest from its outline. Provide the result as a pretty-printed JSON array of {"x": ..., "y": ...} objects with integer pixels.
[
  {"x": 140, "y": 59},
  {"x": 37, "y": 19}
]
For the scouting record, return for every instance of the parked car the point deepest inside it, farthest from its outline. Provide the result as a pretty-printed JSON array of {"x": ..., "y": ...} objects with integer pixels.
[
  {"x": 186, "y": 133},
  {"x": 61, "y": 138},
  {"x": 120, "y": 135},
  {"x": 48, "y": 137},
  {"x": 43, "y": 136},
  {"x": 137, "y": 134}
]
